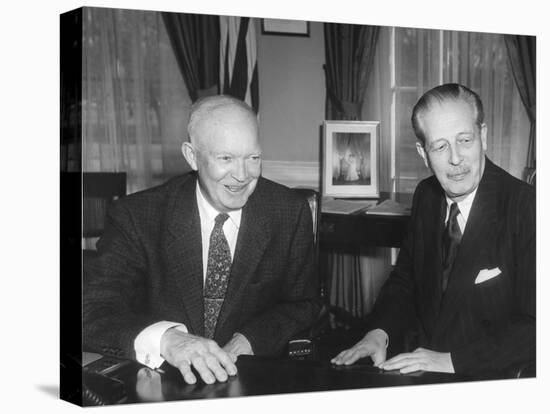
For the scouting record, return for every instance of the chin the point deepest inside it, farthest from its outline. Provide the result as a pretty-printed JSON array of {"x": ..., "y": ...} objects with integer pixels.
[
  {"x": 234, "y": 203},
  {"x": 459, "y": 192}
]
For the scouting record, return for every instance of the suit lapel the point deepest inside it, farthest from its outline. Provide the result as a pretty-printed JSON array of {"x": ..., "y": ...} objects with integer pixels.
[
  {"x": 184, "y": 254},
  {"x": 480, "y": 229},
  {"x": 429, "y": 271},
  {"x": 434, "y": 250},
  {"x": 252, "y": 241}
]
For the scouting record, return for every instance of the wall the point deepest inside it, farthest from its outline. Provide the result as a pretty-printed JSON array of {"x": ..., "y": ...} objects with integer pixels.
[{"x": 292, "y": 104}]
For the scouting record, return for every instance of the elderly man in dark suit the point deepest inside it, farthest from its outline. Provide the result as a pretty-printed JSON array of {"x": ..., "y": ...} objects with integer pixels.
[
  {"x": 465, "y": 276},
  {"x": 211, "y": 265}
]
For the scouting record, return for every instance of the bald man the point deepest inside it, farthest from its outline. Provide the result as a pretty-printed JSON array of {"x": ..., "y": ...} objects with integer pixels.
[{"x": 209, "y": 266}]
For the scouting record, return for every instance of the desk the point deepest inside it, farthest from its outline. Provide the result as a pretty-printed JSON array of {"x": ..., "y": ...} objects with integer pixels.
[
  {"x": 258, "y": 376},
  {"x": 348, "y": 232}
]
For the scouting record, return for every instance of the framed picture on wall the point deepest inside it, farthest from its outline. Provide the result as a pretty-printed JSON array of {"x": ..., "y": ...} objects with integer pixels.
[
  {"x": 350, "y": 159},
  {"x": 285, "y": 27}
]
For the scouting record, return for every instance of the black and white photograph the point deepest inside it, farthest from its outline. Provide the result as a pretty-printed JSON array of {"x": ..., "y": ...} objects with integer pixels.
[
  {"x": 197, "y": 261},
  {"x": 351, "y": 159},
  {"x": 352, "y": 156},
  {"x": 205, "y": 255}
]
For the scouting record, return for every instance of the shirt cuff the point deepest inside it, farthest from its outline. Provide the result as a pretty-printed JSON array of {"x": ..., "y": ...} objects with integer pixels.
[
  {"x": 147, "y": 343},
  {"x": 382, "y": 332},
  {"x": 241, "y": 337}
]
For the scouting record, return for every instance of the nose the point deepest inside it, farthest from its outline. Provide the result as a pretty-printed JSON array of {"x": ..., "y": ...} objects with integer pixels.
[
  {"x": 455, "y": 157},
  {"x": 239, "y": 172}
]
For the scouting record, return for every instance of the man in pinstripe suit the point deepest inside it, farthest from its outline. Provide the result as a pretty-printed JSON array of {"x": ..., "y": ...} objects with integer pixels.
[
  {"x": 146, "y": 294},
  {"x": 473, "y": 311}
]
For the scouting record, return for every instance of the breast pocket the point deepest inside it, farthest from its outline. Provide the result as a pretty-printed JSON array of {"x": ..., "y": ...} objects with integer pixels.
[{"x": 494, "y": 296}]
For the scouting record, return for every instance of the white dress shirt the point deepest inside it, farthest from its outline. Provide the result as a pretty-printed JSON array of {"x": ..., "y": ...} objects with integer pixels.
[
  {"x": 147, "y": 343},
  {"x": 464, "y": 208}
]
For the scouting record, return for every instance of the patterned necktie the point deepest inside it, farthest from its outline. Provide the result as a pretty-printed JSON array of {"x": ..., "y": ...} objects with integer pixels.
[
  {"x": 217, "y": 275},
  {"x": 451, "y": 242}
]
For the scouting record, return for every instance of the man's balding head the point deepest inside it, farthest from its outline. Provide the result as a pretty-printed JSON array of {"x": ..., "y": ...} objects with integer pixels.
[
  {"x": 224, "y": 149},
  {"x": 217, "y": 111}
]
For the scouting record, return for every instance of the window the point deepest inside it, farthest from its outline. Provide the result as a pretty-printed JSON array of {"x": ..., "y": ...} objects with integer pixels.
[
  {"x": 419, "y": 59},
  {"x": 135, "y": 104}
]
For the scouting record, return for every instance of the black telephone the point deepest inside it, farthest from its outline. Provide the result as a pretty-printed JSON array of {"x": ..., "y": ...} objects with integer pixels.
[
  {"x": 85, "y": 381},
  {"x": 99, "y": 389}
]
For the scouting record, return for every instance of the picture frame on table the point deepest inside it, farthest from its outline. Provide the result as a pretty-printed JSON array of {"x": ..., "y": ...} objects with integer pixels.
[{"x": 350, "y": 159}]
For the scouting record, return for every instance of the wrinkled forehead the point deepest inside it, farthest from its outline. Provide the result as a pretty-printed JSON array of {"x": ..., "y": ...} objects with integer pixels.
[
  {"x": 229, "y": 125},
  {"x": 447, "y": 115}
]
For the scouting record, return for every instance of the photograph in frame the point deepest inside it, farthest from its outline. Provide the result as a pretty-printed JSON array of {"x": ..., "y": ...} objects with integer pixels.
[{"x": 350, "y": 161}]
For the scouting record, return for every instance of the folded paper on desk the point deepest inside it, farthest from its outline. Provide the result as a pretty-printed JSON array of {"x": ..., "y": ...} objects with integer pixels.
[
  {"x": 340, "y": 206},
  {"x": 390, "y": 208}
]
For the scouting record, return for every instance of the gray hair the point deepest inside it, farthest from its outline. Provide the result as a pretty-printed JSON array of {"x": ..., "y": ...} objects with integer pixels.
[
  {"x": 205, "y": 107},
  {"x": 440, "y": 94}
]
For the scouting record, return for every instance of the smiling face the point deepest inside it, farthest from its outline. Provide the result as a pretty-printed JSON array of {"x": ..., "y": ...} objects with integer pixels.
[
  {"x": 226, "y": 153},
  {"x": 455, "y": 146}
]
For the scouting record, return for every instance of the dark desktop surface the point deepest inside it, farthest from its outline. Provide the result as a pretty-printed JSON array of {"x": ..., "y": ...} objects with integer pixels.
[
  {"x": 131, "y": 382},
  {"x": 347, "y": 233}
]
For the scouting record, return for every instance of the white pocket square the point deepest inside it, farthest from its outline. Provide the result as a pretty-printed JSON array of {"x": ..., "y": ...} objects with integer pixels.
[{"x": 486, "y": 274}]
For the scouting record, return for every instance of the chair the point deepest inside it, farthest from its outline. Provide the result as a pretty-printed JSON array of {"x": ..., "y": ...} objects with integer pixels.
[
  {"x": 99, "y": 190},
  {"x": 314, "y": 200},
  {"x": 532, "y": 178},
  {"x": 301, "y": 344}
]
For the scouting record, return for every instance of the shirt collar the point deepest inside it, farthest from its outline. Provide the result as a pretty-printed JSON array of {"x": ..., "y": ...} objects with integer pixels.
[
  {"x": 465, "y": 205},
  {"x": 209, "y": 213}
]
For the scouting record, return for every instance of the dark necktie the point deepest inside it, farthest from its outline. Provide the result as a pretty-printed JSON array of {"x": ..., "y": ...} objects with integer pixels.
[
  {"x": 451, "y": 242},
  {"x": 217, "y": 275}
]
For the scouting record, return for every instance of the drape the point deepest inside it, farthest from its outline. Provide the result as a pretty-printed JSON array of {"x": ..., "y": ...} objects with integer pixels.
[
  {"x": 349, "y": 56},
  {"x": 195, "y": 40},
  {"x": 134, "y": 104},
  {"x": 71, "y": 93},
  {"x": 523, "y": 60},
  {"x": 238, "y": 59},
  {"x": 480, "y": 61}
]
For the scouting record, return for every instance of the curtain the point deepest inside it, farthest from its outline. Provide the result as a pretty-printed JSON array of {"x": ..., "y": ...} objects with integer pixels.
[
  {"x": 134, "y": 105},
  {"x": 480, "y": 61},
  {"x": 71, "y": 93},
  {"x": 195, "y": 41},
  {"x": 238, "y": 59},
  {"x": 349, "y": 55},
  {"x": 523, "y": 60}
]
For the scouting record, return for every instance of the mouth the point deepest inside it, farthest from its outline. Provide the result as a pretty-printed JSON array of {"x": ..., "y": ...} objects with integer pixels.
[
  {"x": 236, "y": 189},
  {"x": 458, "y": 176}
]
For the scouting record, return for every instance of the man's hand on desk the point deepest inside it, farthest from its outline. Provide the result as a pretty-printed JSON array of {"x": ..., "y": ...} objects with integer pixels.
[
  {"x": 183, "y": 350},
  {"x": 238, "y": 345},
  {"x": 374, "y": 344},
  {"x": 420, "y": 360}
]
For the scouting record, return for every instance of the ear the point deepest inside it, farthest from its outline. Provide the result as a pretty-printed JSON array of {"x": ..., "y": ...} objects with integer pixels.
[
  {"x": 190, "y": 154},
  {"x": 483, "y": 135},
  {"x": 422, "y": 152}
]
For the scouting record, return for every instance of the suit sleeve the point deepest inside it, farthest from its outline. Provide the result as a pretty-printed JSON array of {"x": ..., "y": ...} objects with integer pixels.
[
  {"x": 298, "y": 303},
  {"x": 507, "y": 346},
  {"x": 394, "y": 311},
  {"x": 114, "y": 289}
]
